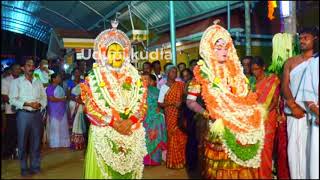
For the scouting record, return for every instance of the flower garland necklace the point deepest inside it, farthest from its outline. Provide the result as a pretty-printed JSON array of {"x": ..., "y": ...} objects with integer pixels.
[
  {"x": 112, "y": 91},
  {"x": 221, "y": 75},
  {"x": 231, "y": 123},
  {"x": 120, "y": 152},
  {"x": 108, "y": 98}
]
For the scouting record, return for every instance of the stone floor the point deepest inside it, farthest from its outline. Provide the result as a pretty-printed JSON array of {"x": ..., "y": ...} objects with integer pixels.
[{"x": 63, "y": 163}]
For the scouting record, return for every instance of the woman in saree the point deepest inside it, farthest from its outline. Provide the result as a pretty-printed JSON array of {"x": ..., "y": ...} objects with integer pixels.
[
  {"x": 170, "y": 99},
  {"x": 57, "y": 111},
  {"x": 235, "y": 135},
  {"x": 76, "y": 112},
  {"x": 154, "y": 124},
  {"x": 267, "y": 89}
]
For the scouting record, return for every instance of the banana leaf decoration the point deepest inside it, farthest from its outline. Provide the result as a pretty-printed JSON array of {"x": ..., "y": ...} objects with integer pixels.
[{"x": 284, "y": 46}]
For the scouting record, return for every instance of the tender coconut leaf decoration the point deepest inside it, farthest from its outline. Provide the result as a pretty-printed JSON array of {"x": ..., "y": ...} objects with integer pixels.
[{"x": 284, "y": 46}]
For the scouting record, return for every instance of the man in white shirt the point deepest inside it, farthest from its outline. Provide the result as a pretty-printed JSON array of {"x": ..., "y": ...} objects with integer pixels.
[
  {"x": 28, "y": 96},
  {"x": 10, "y": 135},
  {"x": 43, "y": 73}
]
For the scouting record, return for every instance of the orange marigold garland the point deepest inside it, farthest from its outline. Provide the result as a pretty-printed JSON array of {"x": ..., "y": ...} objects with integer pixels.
[
  {"x": 98, "y": 105},
  {"x": 238, "y": 117}
]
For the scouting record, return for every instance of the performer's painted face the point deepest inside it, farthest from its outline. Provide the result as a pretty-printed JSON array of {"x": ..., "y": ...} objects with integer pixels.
[
  {"x": 115, "y": 55},
  {"x": 220, "y": 51}
]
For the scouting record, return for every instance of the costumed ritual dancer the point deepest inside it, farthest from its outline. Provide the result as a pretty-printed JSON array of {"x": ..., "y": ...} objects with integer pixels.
[
  {"x": 235, "y": 136},
  {"x": 115, "y": 103}
]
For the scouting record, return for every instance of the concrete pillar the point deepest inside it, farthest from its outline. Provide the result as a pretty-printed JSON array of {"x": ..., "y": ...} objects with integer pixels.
[
  {"x": 247, "y": 27},
  {"x": 290, "y": 22},
  {"x": 228, "y": 13},
  {"x": 173, "y": 33}
]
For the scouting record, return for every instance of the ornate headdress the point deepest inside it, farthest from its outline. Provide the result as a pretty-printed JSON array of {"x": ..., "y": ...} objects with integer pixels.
[
  {"x": 207, "y": 44},
  {"x": 108, "y": 37}
]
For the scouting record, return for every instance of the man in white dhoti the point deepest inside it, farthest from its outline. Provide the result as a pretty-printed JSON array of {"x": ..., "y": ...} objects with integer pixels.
[
  {"x": 297, "y": 126},
  {"x": 309, "y": 93}
]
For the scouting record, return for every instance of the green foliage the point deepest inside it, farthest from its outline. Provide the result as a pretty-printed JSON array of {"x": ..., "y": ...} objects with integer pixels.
[
  {"x": 214, "y": 85},
  {"x": 124, "y": 116},
  {"x": 284, "y": 46},
  {"x": 91, "y": 73},
  {"x": 126, "y": 86},
  {"x": 296, "y": 46},
  {"x": 203, "y": 74},
  {"x": 98, "y": 90},
  {"x": 101, "y": 97},
  {"x": 244, "y": 153}
]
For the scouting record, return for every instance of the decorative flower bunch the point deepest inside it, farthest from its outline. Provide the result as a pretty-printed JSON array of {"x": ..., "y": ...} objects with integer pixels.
[
  {"x": 115, "y": 96},
  {"x": 119, "y": 152},
  {"x": 110, "y": 96}
]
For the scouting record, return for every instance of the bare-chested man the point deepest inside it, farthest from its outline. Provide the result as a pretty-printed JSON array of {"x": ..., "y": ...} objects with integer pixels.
[{"x": 297, "y": 126}]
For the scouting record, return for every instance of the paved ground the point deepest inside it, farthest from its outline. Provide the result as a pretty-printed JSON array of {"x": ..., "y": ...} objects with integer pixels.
[{"x": 64, "y": 163}]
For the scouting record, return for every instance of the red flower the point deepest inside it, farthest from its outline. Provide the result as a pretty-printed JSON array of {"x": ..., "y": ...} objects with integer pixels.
[{"x": 128, "y": 80}]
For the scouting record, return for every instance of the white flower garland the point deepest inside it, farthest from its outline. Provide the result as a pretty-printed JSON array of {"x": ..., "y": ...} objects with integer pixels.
[
  {"x": 252, "y": 135},
  {"x": 123, "y": 99},
  {"x": 217, "y": 128},
  {"x": 131, "y": 161},
  {"x": 122, "y": 162}
]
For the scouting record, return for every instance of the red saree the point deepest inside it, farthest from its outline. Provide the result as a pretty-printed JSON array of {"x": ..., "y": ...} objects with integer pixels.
[
  {"x": 281, "y": 144},
  {"x": 176, "y": 144},
  {"x": 267, "y": 89}
]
